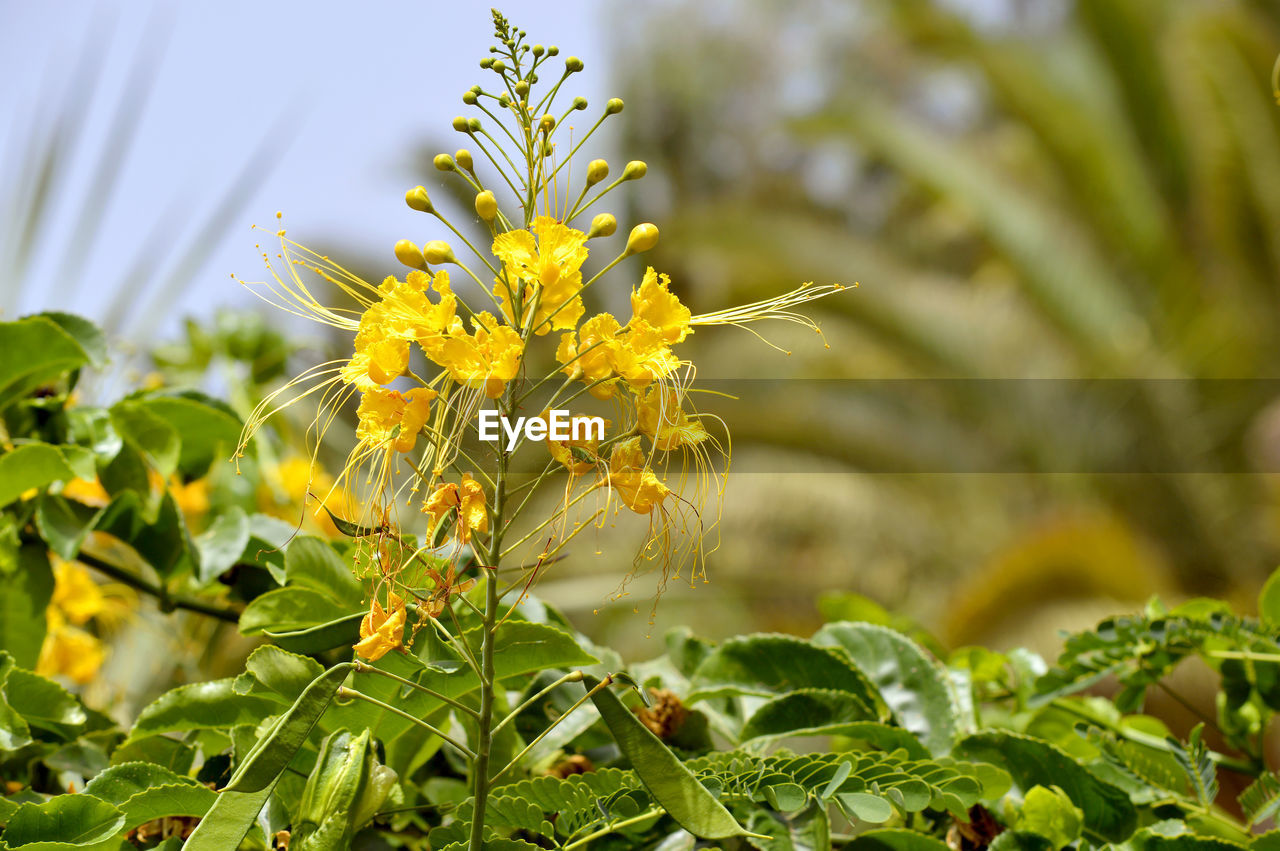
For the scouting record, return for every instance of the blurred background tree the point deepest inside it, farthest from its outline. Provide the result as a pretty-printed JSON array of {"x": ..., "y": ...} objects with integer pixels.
[{"x": 1066, "y": 221}]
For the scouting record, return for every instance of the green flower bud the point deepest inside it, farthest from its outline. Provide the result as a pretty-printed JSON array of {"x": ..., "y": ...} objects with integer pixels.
[
  {"x": 573, "y": 65},
  {"x": 643, "y": 237},
  {"x": 579, "y": 103},
  {"x": 613, "y": 107},
  {"x": 487, "y": 63},
  {"x": 522, "y": 88},
  {"x": 437, "y": 252},
  {"x": 444, "y": 162},
  {"x": 553, "y": 50},
  {"x": 499, "y": 65},
  {"x": 473, "y": 124},
  {"x": 635, "y": 170},
  {"x": 504, "y": 100},
  {"x": 486, "y": 206},
  {"x": 410, "y": 255},
  {"x": 460, "y": 124},
  {"x": 547, "y": 124},
  {"x": 343, "y": 793},
  {"x": 470, "y": 98},
  {"x": 538, "y": 50},
  {"x": 604, "y": 224},
  {"x": 417, "y": 199},
  {"x": 463, "y": 157},
  {"x": 597, "y": 170}
]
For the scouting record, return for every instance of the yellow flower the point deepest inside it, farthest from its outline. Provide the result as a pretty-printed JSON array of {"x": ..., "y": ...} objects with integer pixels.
[
  {"x": 662, "y": 419},
  {"x": 660, "y": 308},
  {"x": 87, "y": 491},
  {"x": 70, "y": 652},
  {"x": 381, "y": 630},
  {"x": 468, "y": 498},
  {"x": 638, "y": 353},
  {"x": 296, "y": 479},
  {"x": 75, "y": 594},
  {"x": 403, "y": 315},
  {"x": 554, "y": 261},
  {"x": 632, "y": 480},
  {"x": 576, "y": 462},
  {"x": 485, "y": 360},
  {"x": 390, "y": 419}
]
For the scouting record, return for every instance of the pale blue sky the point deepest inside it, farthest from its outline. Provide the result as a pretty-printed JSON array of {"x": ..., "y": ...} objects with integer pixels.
[{"x": 358, "y": 83}]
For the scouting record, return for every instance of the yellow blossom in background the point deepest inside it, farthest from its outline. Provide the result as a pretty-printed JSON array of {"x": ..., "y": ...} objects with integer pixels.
[
  {"x": 87, "y": 492},
  {"x": 70, "y": 652},
  {"x": 75, "y": 594},
  {"x": 381, "y": 630},
  {"x": 287, "y": 486}
]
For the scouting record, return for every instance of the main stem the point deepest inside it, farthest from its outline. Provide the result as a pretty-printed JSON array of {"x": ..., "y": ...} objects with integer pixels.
[{"x": 484, "y": 738}]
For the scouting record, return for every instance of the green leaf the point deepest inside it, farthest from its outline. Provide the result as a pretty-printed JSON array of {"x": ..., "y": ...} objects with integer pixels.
[
  {"x": 340, "y": 632},
  {"x": 84, "y": 332},
  {"x": 1196, "y": 764},
  {"x": 31, "y": 465},
  {"x": 208, "y": 428},
  {"x": 672, "y": 785},
  {"x": 148, "y": 434},
  {"x": 1107, "y": 810},
  {"x": 311, "y": 562},
  {"x": 76, "y": 820},
  {"x": 64, "y": 524},
  {"x": 911, "y": 682},
  {"x": 809, "y": 712},
  {"x": 771, "y": 665},
  {"x": 213, "y": 705},
  {"x": 1048, "y": 811},
  {"x": 1269, "y": 601},
  {"x": 290, "y": 609},
  {"x": 145, "y": 792},
  {"x": 42, "y": 702},
  {"x": 1021, "y": 840},
  {"x": 808, "y": 830},
  {"x": 866, "y": 807},
  {"x": 1261, "y": 799},
  {"x": 24, "y": 596},
  {"x": 32, "y": 351},
  {"x": 263, "y": 765},
  {"x": 287, "y": 674},
  {"x": 895, "y": 839},
  {"x": 222, "y": 544}
]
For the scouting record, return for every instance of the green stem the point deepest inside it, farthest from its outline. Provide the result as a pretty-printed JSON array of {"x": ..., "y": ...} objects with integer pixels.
[
  {"x": 574, "y": 677},
  {"x": 605, "y": 683},
  {"x": 366, "y": 668},
  {"x": 607, "y": 829},
  {"x": 345, "y": 692},
  {"x": 167, "y": 603}
]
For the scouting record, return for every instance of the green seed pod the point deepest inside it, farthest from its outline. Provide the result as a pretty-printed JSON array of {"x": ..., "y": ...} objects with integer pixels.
[
  {"x": 437, "y": 252},
  {"x": 463, "y": 158},
  {"x": 460, "y": 124},
  {"x": 486, "y": 206},
  {"x": 417, "y": 199},
  {"x": 635, "y": 170},
  {"x": 643, "y": 237},
  {"x": 444, "y": 162},
  {"x": 613, "y": 107},
  {"x": 604, "y": 224},
  {"x": 597, "y": 170},
  {"x": 573, "y": 65},
  {"x": 345, "y": 790},
  {"x": 408, "y": 253}
]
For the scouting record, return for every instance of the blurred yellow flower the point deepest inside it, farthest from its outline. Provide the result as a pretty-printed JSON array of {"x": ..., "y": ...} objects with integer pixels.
[
  {"x": 75, "y": 594},
  {"x": 71, "y": 653}
]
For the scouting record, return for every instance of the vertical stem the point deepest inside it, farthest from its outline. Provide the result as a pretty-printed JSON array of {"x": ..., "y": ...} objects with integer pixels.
[{"x": 484, "y": 738}]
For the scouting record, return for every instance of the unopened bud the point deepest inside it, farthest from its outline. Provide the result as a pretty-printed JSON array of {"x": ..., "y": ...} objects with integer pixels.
[
  {"x": 634, "y": 170},
  {"x": 444, "y": 162},
  {"x": 473, "y": 124},
  {"x": 597, "y": 170},
  {"x": 553, "y": 50},
  {"x": 604, "y": 224},
  {"x": 410, "y": 255},
  {"x": 547, "y": 124},
  {"x": 504, "y": 100},
  {"x": 538, "y": 50},
  {"x": 437, "y": 251},
  {"x": 486, "y": 206},
  {"x": 643, "y": 237},
  {"x": 463, "y": 156},
  {"x": 487, "y": 63},
  {"x": 470, "y": 98},
  {"x": 573, "y": 65},
  {"x": 522, "y": 88},
  {"x": 499, "y": 65},
  {"x": 418, "y": 199},
  {"x": 460, "y": 124},
  {"x": 579, "y": 103},
  {"x": 613, "y": 107}
]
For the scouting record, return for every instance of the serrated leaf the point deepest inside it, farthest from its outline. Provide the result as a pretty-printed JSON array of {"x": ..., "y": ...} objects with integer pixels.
[
  {"x": 71, "y": 819},
  {"x": 31, "y": 466}
]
